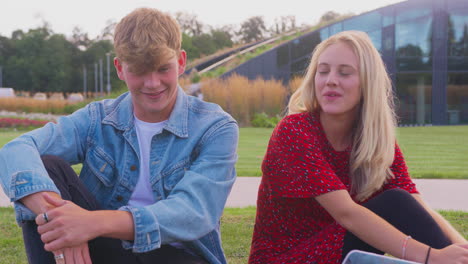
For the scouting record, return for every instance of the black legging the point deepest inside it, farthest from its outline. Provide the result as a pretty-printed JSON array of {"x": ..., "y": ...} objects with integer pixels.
[
  {"x": 102, "y": 250},
  {"x": 400, "y": 209}
]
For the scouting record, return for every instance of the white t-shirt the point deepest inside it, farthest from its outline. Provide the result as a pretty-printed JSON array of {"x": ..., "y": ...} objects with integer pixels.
[{"x": 143, "y": 194}]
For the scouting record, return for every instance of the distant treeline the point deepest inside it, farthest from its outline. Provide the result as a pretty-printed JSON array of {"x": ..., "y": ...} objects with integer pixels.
[{"x": 40, "y": 60}]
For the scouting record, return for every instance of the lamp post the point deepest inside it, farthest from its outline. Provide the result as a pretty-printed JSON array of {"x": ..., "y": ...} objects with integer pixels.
[
  {"x": 101, "y": 78},
  {"x": 1, "y": 76},
  {"x": 108, "y": 73},
  {"x": 85, "y": 82},
  {"x": 95, "y": 79}
]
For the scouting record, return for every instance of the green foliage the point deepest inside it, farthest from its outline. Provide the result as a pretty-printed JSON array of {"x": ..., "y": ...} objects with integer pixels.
[
  {"x": 253, "y": 29},
  {"x": 41, "y": 61},
  {"x": 215, "y": 73},
  {"x": 250, "y": 55},
  {"x": 196, "y": 78},
  {"x": 206, "y": 43},
  {"x": 263, "y": 120}
]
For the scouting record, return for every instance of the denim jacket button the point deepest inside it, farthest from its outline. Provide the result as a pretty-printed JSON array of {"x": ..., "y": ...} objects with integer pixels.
[
  {"x": 133, "y": 168},
  {"x": 119, "y": 198}
]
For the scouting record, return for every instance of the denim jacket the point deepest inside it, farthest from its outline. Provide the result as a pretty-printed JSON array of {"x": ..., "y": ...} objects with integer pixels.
[{"x": 191, "y": 166}]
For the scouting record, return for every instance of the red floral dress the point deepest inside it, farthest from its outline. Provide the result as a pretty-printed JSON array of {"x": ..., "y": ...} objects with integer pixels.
[{"x": 300, "y": 164}]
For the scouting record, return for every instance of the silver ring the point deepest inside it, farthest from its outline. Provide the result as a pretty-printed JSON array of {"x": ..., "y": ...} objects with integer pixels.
[
  {"x": 59, "y": 256},
  {"x": 46, "y": 217}
]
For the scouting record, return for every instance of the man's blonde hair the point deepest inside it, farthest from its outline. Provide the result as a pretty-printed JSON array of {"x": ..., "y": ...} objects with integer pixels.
[
  {"x": 147, "y": 38},
  {"x": 374, "y": 135}
]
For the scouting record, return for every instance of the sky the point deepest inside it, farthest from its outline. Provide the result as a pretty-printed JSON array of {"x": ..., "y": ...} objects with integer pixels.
[{"x": 91, "y": 16}]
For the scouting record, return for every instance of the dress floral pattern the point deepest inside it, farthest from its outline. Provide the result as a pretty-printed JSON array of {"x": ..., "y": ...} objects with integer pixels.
[{"x": 300, "y": 164}]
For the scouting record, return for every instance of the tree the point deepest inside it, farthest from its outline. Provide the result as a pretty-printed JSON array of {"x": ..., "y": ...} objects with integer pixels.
[
  {"x": 221, "y": 38},
  {"x": 204, "y": 43},
  {"x": 253, "y": 29},
  {"x": 329, "y": 17},
  {"x": 284, "y": 24},
  {"x": 80, "y": 39},
  {"x": 108, "y": 32},
  {"x": 189, "y": 23}
]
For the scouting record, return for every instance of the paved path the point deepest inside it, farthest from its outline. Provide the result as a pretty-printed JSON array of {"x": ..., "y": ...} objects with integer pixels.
[{"x": 439, "y": 194}]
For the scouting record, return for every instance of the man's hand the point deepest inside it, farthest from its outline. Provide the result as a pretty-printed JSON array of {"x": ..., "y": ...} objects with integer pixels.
[
  {"x": 69, "y": 225},
  {"x": 36, "y": 202},
  {"x": 75, "y": 255}
]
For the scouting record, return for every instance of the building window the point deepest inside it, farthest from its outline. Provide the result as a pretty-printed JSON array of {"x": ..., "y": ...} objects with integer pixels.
[
  {"x": 457, "y": 98},
  {"x": 324, "y": 34},
  {"x": 388, "y": 16},
  {"x": 305, "y": 45},
  {"x": 414, "y": 98},
  {"x": 458, "y": 40},
  {"x": 282, "y": 55},
  {"x": 376, "y": 37},
  {"x": 413, "y": 45},
  {"x": 406, "y": 12},
  {"x": 299, "y": 68},
  {"x": 367, "y": 22},
  {"x": 336, "y": 28}
]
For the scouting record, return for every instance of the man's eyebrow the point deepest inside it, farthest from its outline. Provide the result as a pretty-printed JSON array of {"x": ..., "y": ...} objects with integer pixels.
[{"x": 164, "y": 65}]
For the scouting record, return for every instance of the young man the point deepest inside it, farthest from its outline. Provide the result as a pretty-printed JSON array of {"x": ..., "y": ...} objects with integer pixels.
[{"x": 158, "y": 165}]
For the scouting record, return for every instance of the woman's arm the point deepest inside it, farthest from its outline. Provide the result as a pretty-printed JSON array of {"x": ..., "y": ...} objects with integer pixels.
[
  {"x": 377, "y": 232},
  {"x": 448, "y": 229}
]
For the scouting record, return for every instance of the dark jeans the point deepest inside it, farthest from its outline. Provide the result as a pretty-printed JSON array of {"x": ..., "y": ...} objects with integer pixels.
[
  {"x": 400, "y": 209},
  {"x": 102, "y": 250}
]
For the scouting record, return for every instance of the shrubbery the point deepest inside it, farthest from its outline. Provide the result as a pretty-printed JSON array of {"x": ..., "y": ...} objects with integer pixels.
[{"x": 263, "y": 120}]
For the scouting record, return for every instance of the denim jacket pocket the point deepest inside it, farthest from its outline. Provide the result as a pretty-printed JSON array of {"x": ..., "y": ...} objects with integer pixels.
[
  {"x": 100, "y": 165},
  {"x": 174, "y": 174}
]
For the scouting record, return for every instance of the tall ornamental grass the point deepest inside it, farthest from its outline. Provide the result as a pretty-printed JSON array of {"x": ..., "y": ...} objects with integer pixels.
[
  {"x": 29, "y": 105},
  {"x": 243, "y": 98}
]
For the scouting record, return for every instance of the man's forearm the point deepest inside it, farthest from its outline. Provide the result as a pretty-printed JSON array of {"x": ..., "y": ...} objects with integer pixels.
[
  {"x": 115, "y": 224},
  {"x": 36, "y": 202}
]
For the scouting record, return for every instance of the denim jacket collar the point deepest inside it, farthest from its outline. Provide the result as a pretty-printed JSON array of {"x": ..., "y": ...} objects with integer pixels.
[{"x": 121, "y": 118}]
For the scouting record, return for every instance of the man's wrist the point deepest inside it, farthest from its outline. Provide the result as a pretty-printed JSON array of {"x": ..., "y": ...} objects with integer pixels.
[{"x": 36, "y": 202}]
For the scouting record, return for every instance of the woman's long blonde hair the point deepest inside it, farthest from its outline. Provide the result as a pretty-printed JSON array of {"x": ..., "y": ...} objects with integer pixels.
[{"x": 374, "y": 135}]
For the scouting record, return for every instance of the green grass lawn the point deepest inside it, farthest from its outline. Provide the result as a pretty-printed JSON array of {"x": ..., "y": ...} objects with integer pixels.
[
  {"x": 430, "y": 152},
  {"x": 236, "y": 231}
]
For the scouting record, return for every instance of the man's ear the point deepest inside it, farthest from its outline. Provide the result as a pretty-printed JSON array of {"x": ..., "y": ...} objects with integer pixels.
[
  {"x": 119, "y": 68},
  {"x": 181, "y": 61}
]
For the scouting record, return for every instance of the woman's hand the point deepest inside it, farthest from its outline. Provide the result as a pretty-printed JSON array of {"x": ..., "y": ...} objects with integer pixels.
[{"x": 453, "y": 254}]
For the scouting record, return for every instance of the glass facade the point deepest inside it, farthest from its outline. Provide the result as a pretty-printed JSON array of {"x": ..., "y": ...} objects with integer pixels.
[
  {"x": 414, "y": 98},
  {"x": 413, "y": 44},
  {"x": 458, "y": 40},
  {"x": 424, "y": 44},
  {"x": 457, "y": 98}
]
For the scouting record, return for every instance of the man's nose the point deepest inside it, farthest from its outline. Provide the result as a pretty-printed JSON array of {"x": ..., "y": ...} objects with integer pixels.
[{"x": 152, "y": 80}]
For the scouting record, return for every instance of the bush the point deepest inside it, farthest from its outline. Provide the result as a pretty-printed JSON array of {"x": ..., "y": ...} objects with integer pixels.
[{"x": 263, "y": 120}]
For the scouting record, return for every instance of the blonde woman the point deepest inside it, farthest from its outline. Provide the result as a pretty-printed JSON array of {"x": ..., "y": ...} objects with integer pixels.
[{"x": 334, "y": 178}]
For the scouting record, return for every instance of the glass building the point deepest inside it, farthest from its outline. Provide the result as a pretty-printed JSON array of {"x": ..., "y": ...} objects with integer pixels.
[{"x": 424, "y": 44}]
